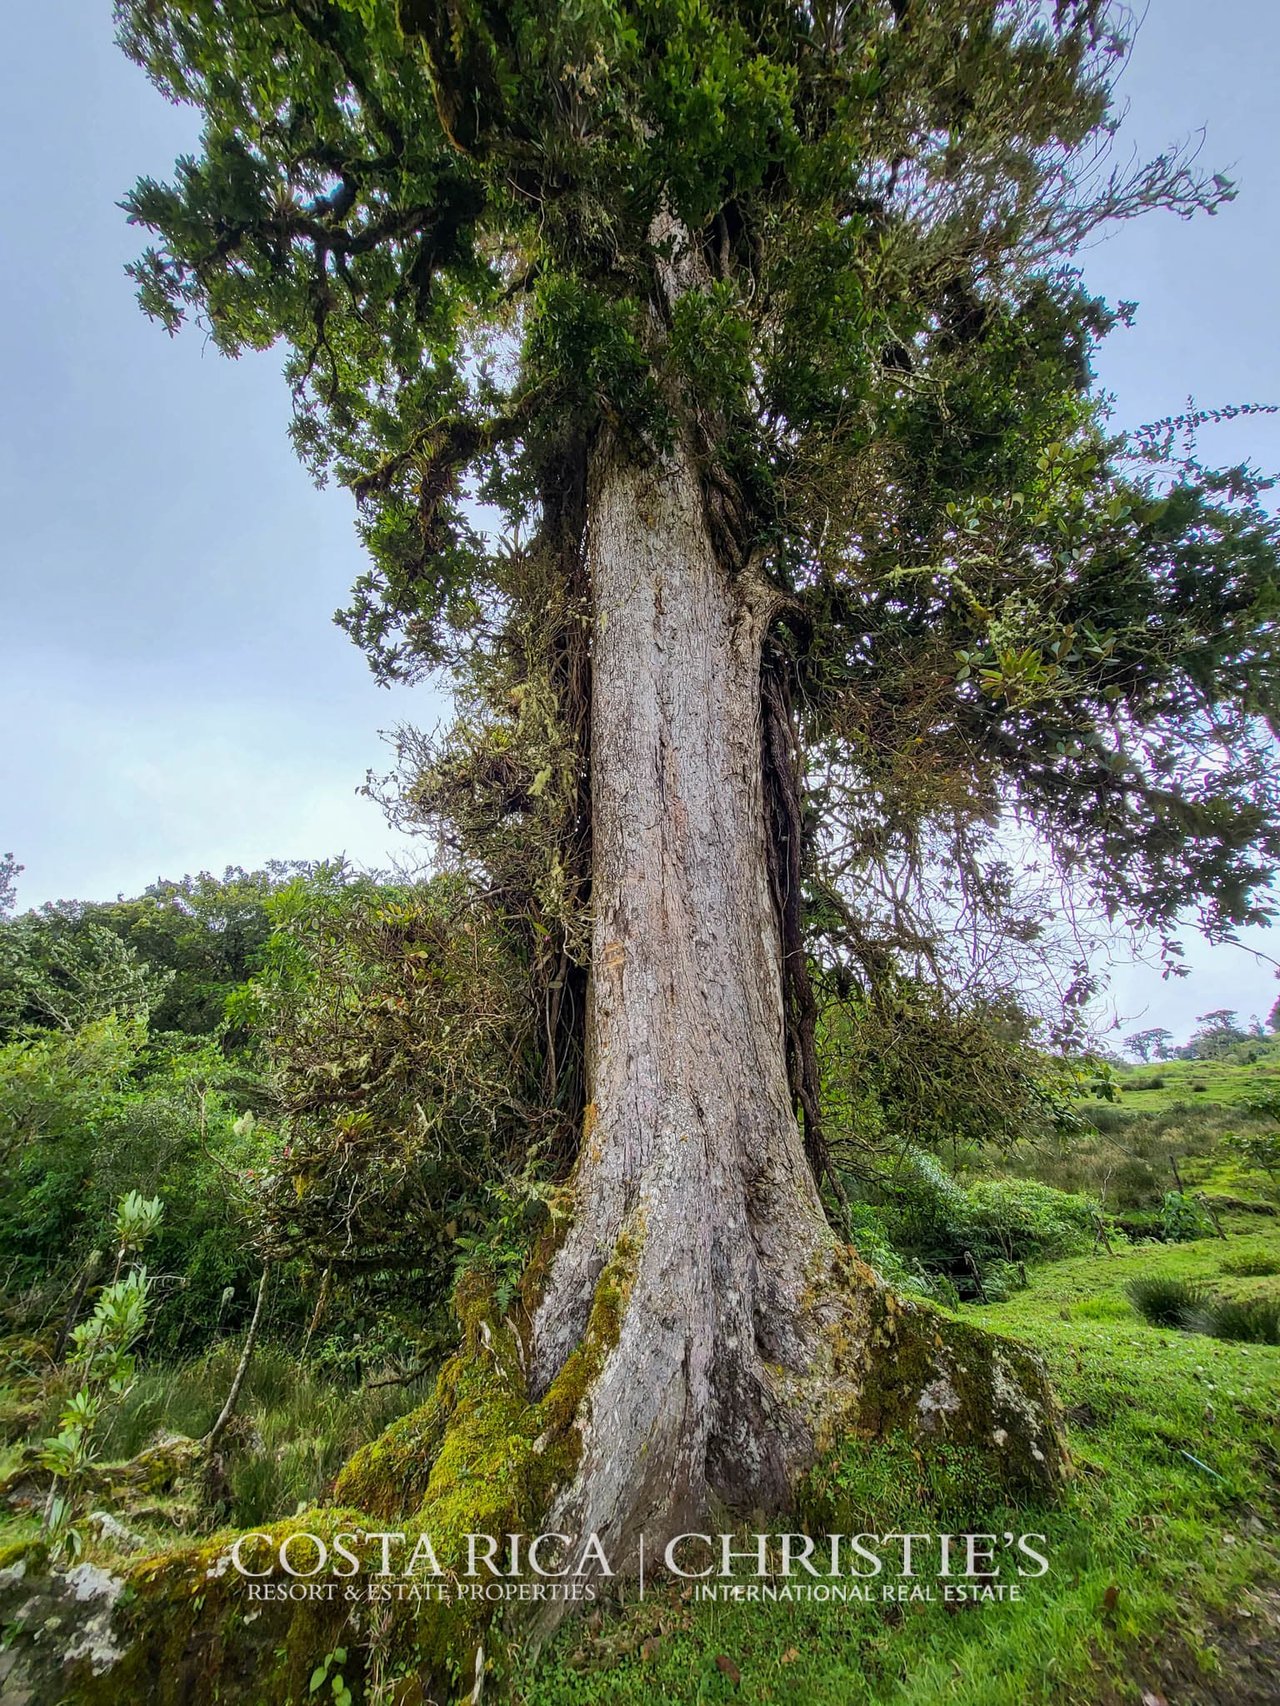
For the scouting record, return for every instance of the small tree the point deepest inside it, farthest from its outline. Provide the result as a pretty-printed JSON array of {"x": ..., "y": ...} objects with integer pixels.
[
  {"x": 1260, "y": 1149},
  {"x": 1219, "y": 1032},
  {"x": 60, "y": 971},
  {"x": 102, "y": 1357}
]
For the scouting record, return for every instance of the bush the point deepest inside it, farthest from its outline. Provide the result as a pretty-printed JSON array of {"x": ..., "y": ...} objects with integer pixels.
[
  {"x": 1182, "y": 1220},
  {"x": 1167, "y": 1302},
  {"x": 1107, "y": 1118},
  {"x": 973, "y": 1237},
  {"x": 91, "y": 1115},
  {"x": 873, "y": 1244},
  {"x": 1032, "y": 1222}
]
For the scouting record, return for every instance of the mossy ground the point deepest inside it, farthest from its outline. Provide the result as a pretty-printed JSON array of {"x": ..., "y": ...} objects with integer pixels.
[{"x": 1171, "y": 1517}]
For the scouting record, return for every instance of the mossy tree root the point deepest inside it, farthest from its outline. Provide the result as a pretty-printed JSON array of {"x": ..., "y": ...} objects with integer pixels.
[{"x": 482, "y": 1457}]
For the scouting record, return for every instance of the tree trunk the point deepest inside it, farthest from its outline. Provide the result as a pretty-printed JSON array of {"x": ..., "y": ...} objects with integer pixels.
[
  {"x": 690, "y": 1147},
  {"x": 749, "y": 1339},
  {"x": 700, "y": 1337}
]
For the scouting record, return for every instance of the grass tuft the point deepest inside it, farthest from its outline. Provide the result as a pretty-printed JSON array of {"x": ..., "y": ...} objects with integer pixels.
[
  {"x": 1166, "y": 1301},
  {"x": 1245, "y": 1320},
  {"x": 1251, "y": 1266}
]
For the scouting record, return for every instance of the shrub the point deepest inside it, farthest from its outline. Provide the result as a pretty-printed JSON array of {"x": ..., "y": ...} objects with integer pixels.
[
  {"x": 1167, "y": 1302},
  {"x": 1107, "y": 1118},
  {"x": 873, "y": 1244},
  {"x": 1181, "y": 1219},
  {"x": 1031, "y": 1222},
  {"x": 90, "y": 1116},
  {"x": 974, "y": 1238},
  {"x": 1260, "y": 1149}
]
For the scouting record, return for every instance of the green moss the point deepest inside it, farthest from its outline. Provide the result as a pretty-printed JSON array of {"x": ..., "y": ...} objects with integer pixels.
[
  {"x": 880, "y": 1485},
  {"x": 388, "y": 1477},
  {"x": 31, "y": 1550},
  {"x": 912, "y": 1370},
  {"x": 480, "y": 1457},
  {"x": 946, "y": 1382},
  {"x": 491, "y": 1459},
  {"x": 479, "y": 1445},
  {"x": 503, "y": 1456},
  {"x": 190, "y": 1633}
]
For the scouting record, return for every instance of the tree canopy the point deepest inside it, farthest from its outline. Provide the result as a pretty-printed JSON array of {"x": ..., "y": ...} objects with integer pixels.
[{"x": 458, "y": 221}]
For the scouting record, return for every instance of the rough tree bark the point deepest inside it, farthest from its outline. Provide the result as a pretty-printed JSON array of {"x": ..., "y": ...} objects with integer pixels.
[
  {"x": 690, "y": 1148},
  {"x": 749, "y": 1337}
]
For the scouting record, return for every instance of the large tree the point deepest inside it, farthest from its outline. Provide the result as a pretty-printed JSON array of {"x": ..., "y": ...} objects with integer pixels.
[{"x": 715, "y": 387}]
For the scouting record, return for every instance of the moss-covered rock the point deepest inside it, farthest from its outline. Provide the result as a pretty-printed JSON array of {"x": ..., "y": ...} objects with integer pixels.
[
  {"x": 913, "y": 1373},
  {"x": 167, "y": 1464}
]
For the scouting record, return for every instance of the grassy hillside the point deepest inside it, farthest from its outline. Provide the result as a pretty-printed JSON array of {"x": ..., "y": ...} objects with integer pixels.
[
  {"x": 1158, "y": 1554},
  {"x": 1166, "y": 1128},
  {"x": 1230, "y": 1082}
]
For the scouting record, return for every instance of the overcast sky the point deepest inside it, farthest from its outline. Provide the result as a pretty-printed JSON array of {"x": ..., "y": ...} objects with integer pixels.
[{"x": 173, "y": 692}]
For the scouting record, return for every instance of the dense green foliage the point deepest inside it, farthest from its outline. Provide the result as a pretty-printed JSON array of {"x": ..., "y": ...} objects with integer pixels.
[
  {"x": 171, "y": 956},
  {"x": 832, "y": 250},
  {"x": 90, "y": 1115},
  {"x": 358, "y": 1109},
  {"x": 391, "y": 1016},
  {"x": 926, "y": 1231},
  {"x": 122, "y": 1070},
  {"x": 319, "y": 1123}
]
